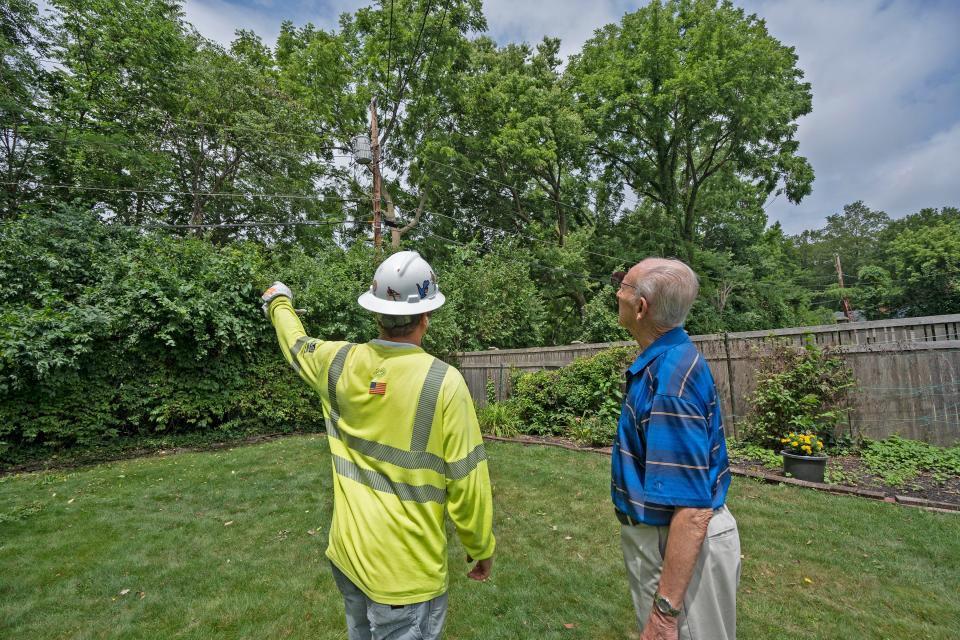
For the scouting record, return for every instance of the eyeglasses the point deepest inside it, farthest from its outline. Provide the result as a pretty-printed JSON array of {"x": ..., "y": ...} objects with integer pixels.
[{"x": 616, "y": 279}]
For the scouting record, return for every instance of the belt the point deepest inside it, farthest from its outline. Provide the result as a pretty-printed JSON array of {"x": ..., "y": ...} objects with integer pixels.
[{"x": 632, "y": 522}]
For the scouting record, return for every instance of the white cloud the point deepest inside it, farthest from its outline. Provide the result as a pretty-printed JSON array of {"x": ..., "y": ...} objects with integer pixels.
[
  {"x": 531, "y": 20},
  {"x": 219, "y": 20},
  {"x": 886, "y": 86},
  {"x": 927, "y": 171}
]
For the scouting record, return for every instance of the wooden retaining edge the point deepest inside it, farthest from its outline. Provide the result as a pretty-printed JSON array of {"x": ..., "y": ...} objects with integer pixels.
[{"x": 906, "y": 501}]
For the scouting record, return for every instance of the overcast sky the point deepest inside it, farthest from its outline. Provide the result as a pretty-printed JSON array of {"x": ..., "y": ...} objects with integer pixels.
[{"x": 885, "y": 126}]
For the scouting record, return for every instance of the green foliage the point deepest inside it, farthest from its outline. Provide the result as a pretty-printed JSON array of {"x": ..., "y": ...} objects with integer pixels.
[
  {"x": 585, "y": 395},
  {"x": 600, "y": 323},
  {"x": 593, "y": 430},
  {"x": 926, "y": 262},
  {"x": 798, "y": 389},
  {"x": 492, "y": 300},
  {"x": 108, "y": 333},
  {"x": 499, "y": 419},
  {"x": 715, "y": 94},
  {"x": 898, "y": 460},
  {"x": 740, "y": 452}
]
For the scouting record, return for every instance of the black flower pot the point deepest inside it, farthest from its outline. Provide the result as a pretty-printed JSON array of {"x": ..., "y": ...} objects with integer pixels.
[{"x": 809, "y": 468}]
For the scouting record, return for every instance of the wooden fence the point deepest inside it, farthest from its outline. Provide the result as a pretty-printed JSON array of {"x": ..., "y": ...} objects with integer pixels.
[{"x": 907, "y": 370}]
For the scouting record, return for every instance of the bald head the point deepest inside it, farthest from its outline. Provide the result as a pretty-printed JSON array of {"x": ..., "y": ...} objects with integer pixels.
[{"x": 669, "y": 286}]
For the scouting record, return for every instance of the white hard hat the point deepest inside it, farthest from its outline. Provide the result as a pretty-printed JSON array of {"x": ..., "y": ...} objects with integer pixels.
[{"x": 403, "y": 285}]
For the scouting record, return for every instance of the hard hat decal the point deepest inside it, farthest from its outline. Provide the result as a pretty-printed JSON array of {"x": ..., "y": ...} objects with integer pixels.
[
  {"x": 424, "y": 290},
  {"x": 403, "y": 284}
]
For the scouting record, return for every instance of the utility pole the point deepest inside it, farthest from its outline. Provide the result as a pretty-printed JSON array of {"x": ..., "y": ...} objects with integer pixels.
[
  {"x": 846, "y": 304},
  {"x": 375, "y": 168}
]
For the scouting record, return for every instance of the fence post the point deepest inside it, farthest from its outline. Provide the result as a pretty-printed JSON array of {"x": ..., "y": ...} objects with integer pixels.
[
  {"x": 500, "y": 384},
  {"x": 730, "y": 385}
]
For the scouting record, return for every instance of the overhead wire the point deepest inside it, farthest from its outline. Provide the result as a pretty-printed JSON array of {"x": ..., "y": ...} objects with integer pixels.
[{"x": 211, "y": 194}]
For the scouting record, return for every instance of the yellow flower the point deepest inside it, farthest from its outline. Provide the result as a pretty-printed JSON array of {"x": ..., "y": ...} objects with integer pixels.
[
  {"x": 794, "y": 443},
  {"x": 784, "y": 439},
  {"x": 819, "y": 445},
  {"x": 807, "y": 448}
]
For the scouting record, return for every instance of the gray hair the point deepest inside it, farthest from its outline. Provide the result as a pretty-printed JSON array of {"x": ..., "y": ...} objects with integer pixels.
[
  {"x": 670, "y": 288},
  {"x": 398, "y": 326}
]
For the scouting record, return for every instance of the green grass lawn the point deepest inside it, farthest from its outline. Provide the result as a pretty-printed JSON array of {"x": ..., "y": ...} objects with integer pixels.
[{"x": 229, "y": 544}]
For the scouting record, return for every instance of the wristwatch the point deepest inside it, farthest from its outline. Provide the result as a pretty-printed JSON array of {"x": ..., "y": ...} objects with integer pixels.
[{"x": 663, "y": 606}]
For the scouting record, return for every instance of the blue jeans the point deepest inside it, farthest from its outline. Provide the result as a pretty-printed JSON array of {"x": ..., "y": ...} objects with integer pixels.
[{"x": 369, "y": 620}]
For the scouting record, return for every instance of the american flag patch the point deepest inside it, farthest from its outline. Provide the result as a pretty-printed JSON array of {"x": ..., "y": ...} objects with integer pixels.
[{"x": 378, "y": 388}]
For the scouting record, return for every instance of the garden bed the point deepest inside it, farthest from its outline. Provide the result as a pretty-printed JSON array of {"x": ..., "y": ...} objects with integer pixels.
[
  {"x": 851, "y": 471},
  {"x": 845, "y": 474}
]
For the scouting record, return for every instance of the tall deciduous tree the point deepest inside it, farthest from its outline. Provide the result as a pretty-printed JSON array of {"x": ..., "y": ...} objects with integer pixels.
[
  {"x": 23, "y": 97},
  {"x": 681, "y": 90}
]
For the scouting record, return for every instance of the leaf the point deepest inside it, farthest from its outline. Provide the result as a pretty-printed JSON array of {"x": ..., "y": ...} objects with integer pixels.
[
  {"x": 228, "y": 523},
  {"x": 568, "y": 625},
  {"x": 808, "y": 580},
  {"x": 124, "y": 592}
]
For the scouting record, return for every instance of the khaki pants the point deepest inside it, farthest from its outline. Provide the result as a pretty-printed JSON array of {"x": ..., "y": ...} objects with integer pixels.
[{"x": 709, "y": 610}]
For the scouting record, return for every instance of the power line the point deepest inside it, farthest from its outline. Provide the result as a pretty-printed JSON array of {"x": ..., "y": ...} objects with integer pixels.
[
  {"x": 390, "y": 41},
  {"x": 211, "y": 194},
  {"x": 241, "y": 225}
]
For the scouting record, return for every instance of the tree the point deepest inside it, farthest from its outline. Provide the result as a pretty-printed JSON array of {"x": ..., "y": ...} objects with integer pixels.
[
  {"x": 24, "y": 82},
  {"x": 926, "y": 264},
  {"x": 854, "y": 235},
  {"x": 519, "y": 135},
  {"x": 117, "y": 61},
  {"x": 407, "y": 54},
  {"x": 682, "y": 90}
]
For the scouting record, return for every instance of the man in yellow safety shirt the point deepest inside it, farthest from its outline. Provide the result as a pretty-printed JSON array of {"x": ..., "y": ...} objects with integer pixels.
[{"x": 405, "y": 443}]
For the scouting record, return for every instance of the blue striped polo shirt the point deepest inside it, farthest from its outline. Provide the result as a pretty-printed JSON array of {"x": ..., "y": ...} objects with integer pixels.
[{"x": 670, "y": 450}]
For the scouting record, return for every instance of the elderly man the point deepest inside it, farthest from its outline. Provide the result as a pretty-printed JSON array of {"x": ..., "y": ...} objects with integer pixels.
[
  {"x": 405, "y": 447},
  {"x": 670, "y": 470}
]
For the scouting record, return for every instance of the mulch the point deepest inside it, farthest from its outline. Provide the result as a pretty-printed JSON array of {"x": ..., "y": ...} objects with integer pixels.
[{"x": 924, "y": 491}]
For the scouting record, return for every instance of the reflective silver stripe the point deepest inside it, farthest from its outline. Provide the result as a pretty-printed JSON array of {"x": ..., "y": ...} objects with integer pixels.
[
  {"x": 461, "y": 468},
  {"x": 295, "y": 350},
  {"x": 427, "y": 405},
  {"x": 379, "y": 482},
  {"x": 333, "y": 377},
  {"x": 391, "y": 455}
]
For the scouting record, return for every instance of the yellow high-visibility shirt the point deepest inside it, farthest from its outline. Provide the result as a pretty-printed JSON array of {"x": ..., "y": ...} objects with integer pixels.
[{"x": 405, "y": 443}]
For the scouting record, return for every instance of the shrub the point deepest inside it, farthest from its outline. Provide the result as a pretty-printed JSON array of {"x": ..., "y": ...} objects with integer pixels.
[
  {"x": 798, "y": 389},
  {"x": 588, "y": 389}
]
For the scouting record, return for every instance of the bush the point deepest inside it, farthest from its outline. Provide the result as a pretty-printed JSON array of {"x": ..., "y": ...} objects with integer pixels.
[
  {"x": 584, "y": 396},
  {"x": 108, "y": 333},
  {"x": 798, "y": 389}
]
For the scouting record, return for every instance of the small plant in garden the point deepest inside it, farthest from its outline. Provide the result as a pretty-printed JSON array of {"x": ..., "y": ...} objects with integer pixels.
[
  {"x": 499, "y": 419},
  {"x": 746, "y": 452},
  {"x": 593, "y": 430},
  {"x": 802, "y": 444},
  {"x": 898, "y": 460},
  {"x": 802, "y": 389}
]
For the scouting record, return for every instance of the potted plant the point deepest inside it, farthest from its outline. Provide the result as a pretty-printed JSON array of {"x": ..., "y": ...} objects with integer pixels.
[{"x": 803, "y": 456}]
